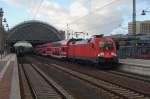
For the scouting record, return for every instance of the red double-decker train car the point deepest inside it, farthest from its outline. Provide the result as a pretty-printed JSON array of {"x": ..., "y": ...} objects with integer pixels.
[
  {"x": 59, "y": 49},
  {"x": 44, "y": 49},
  {"x": 97, "y": 50}
]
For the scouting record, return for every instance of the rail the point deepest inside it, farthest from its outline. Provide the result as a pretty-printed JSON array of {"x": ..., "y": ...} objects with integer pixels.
[{"x": 44, "y": 87}]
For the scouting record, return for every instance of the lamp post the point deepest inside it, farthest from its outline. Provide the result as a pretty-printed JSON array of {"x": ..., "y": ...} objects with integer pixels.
[
  {"x": 3, "y": 27},
  {"x": 134, "y": 18},
  {"x": 4, "y": 36},
  {"x": 1, "y": 30},
  {"x": 67, "y": 32},
  {"x": 1, "y": 16}
]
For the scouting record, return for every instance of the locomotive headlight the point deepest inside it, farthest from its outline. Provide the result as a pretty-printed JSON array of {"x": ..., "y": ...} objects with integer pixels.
[
  {"x": 113, "y": 54},
  {"x": 101, "y": 54}
]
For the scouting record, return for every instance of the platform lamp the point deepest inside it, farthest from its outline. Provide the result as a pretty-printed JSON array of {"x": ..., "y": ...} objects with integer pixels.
[
  {"x": 4, "y": 20},
  {"x": 144, "y": 12},
  {"x": 7, "y": 26}
]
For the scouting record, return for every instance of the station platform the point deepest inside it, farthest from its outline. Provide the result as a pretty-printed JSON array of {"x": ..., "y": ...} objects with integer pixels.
[
  {"x": 138, "y": 62},
  {"x": 138, "y": 66},
  {"x": 9, "y": 78}
]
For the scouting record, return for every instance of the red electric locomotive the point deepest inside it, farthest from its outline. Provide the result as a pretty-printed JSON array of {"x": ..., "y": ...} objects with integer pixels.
[{"x": 97, "y": 50}]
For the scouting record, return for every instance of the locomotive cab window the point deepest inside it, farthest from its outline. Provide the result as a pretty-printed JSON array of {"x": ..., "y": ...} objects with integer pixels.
[{"x": 106, "y": 45}]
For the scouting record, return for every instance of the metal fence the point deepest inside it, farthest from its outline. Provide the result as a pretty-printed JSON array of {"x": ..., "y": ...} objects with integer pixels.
[{"x": 142, "y": 52}]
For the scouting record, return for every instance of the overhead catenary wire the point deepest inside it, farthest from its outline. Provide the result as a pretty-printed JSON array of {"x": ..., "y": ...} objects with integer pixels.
[
  {"x": 98, "y": 9},
  {"x": 31, "y": 9},
  {"x": 97, "y": 26},
  {"x": 38, "y": 8}
]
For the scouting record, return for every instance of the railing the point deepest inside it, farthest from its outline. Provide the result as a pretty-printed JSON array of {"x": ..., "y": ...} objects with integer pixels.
[{"x": 134, "y": 52}]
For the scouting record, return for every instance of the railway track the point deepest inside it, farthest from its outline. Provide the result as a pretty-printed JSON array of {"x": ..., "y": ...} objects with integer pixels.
[
  {"x": 40, "y": 85},
  {"x": 121, "y": 78},
  {"x": 130, "y": 75},
  {"x": 115, "y": 89}
]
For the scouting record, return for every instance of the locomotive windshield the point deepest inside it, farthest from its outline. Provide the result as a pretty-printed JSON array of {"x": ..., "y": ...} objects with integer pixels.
[{"x": 106, "y": 45}]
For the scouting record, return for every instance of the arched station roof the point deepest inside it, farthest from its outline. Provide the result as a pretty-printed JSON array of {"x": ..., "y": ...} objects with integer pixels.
[{"x": 33, "y": 31}]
